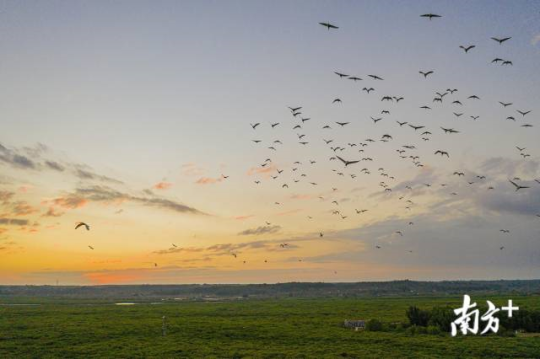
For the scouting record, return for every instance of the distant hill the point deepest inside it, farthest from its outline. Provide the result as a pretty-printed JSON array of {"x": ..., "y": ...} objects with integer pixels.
[{"x": 279, "y": 290}]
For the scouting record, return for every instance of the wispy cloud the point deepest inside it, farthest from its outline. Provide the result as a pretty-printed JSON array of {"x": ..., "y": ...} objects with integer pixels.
[
  {"x": 209, "y": 180},
  {"x": 260, "y": 231},
  {"x": 108, "y": 195},
  {"x": 162, "y": 185}
]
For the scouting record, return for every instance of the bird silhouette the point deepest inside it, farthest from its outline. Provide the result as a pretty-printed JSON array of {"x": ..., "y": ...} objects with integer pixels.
[
  {"x": 81, "y": 224},
  {"x": 426, "y": 74},
  {"x": 328, "y": 25},
  {"x": 466, "y": 49},
  {"x": 500, "y": 41},
  {"x": 430, "y": 16}
]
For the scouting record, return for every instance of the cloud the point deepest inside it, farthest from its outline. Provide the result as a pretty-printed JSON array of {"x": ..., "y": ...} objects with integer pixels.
[
  {"x": 70, "y": 202},
  {"x": 260, "y": 231},
  {"x": 229, "y": 248},
  {"x": 14, "y": 159},
  {"x": 6, "y": 196},
  {"x": 19, "y": 158},
  {"x": 14, "y": 221},
  {"x": 208, "y": 180},
  {"x": 108, "y": 195},
  {"x": 506, "y": 200},
  {"x": 242, "y": 218},
  {"x": 54, "y": 166},
  {"x": 22, "y": 208},
  {"x": 162, "y": 185},
  {"x": 51, "y": 212},
  {"x": 87, "y": 175},
  {"x": 265, "y": 171}
]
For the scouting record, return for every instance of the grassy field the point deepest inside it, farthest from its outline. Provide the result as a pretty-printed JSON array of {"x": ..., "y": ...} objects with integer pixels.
[{"x": 285, "y": 328}]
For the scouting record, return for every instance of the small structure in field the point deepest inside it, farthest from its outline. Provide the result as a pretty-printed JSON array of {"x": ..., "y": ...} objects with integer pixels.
[{"x": 356, "y": 324}]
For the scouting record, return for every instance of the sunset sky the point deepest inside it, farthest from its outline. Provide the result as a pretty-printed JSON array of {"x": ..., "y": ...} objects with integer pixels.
[{"x": 127, "y": 115}]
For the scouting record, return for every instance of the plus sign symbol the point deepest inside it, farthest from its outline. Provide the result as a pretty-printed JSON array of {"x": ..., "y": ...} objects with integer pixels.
[{"x": 510, "y": 308}]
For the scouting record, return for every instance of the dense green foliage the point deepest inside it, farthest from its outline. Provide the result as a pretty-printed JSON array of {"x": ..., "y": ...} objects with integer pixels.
[{"x": 285, "y": 328}]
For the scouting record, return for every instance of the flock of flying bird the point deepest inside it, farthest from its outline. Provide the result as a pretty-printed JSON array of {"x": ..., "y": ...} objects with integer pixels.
[{"x": 344, "y": 163}]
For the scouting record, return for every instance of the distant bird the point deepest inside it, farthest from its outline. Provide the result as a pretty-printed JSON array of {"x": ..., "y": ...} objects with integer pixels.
[
  {"x": 254, "y": 126},
  {"x": 92, "y": 248},
  {"x": 368, "y": 90},
  {"x": 523, "y": 113},
  {"x": 80, "y": 224},
  {"x": 500, "y": 41},
  {"x": 328, "y": 25},
  {"x": 505, "y": 104},
  {"x": 449, "y": 130},
  {"x": 375, "y": 77},
  {"x": 466, "y": 49},
  {"x": 426, "y": 74},
  {"x": 336, "y": 100},
  {"x": 518, "y": 187},
  {"x": 442, "y": 153},
  {"x": 430, "y": 16},
  {"x": 174, "y": 245},
  {"x": 346, "y": 163},
  {"x": 340, "y": 74}
]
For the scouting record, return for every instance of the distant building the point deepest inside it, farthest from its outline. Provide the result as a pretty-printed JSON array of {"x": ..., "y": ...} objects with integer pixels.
[{"x": 355, "y": 323}]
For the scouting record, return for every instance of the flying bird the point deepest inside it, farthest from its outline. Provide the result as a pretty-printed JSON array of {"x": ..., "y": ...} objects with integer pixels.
[
  {"x": 500, "y": 41},
  {"x": 426, "y": 74},
  {"x": 430, "y": 16},
  {"x": 80, "y": 224},
  {"x": 518, "y": 187},
  {"x": 442, "y": 153},
  {"x": 466, "y": 49},
  {"x": 328, "y": 25},
  {"x": 347, "y": 163}
]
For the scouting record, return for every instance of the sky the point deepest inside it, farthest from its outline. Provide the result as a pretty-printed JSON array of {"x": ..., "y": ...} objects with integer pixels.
[{"x": 134, "y": 117}]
